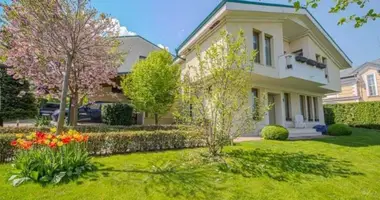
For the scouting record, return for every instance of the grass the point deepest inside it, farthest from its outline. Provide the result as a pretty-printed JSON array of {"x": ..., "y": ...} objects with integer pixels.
[{"x": 327, "y": 168}]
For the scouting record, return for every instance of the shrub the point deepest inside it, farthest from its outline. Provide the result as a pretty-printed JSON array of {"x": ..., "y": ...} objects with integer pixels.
[
  {"x": 275, "y": 132},
  {"x": 42, "y": 121},
  {"x": 362, "y": 114},
  {"x": 339, "y": 130},
  {"x": 13, "y": 106},
  {"x": 96, "y": 129},
  {"x": 125, "y": 142},
  {"x": 117, "y": 114},
  {"x": 45, "y": 157}
]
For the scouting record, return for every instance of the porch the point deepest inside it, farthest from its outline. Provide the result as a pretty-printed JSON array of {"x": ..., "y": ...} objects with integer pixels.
[{"x": 285, "y": 105}]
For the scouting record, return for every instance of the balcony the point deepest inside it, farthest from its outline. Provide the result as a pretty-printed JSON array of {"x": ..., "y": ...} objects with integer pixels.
[{"x": 301, "y": 68}]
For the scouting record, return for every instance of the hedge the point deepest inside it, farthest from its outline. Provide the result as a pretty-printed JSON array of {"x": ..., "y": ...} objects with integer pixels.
[
  {"x": 363, "y": 114},
  {"x": 97, "y": 129},
  {"x": 124, "y": 142},
  {"x": 117, "y": 114}
]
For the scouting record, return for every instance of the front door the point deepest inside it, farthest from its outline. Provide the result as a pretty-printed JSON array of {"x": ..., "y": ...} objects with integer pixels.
[{"x": 272, "y": 111}]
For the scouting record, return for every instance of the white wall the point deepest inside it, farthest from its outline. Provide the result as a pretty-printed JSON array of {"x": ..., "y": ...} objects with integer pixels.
[{"x": 135, "y": 47}]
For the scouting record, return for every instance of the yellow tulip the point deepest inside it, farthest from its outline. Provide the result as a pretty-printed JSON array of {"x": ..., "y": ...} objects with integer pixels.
[
  {"x": 53, "y": 130},
  {"x": 60, "y": 143}
]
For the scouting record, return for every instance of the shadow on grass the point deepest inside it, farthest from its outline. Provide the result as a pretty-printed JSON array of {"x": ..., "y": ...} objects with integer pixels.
[
  {"x": 360, "y": 138},
  {"x": 178, "y": 179},
  {"x": 284, "y": 166}
]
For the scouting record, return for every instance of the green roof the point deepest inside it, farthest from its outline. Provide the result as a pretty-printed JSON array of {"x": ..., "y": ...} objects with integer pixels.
[{"x": 223, "y": 2}]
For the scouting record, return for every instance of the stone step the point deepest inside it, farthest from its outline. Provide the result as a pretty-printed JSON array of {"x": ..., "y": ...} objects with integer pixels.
[{"x": 303, "y": 132}]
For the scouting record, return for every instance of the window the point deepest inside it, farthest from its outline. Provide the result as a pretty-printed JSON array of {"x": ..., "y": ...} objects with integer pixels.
[
  {"x": 324, "y": 61},
  {"x": 318, "y": 58},
  {"x": 288, "y": 107},
  {"x": 256, "y": 45},
  {"x": 316, "y": 111},
  {"x": 268, "y": 50},
  {"x": 309, "y": 109},
  {"x": 142, "y": 57},
  {"x": 255, "y": 96},
  {"x": 94, "y": 106},
  {"x": 371, "y": 85},
  {"x": 302, "y": 106}
]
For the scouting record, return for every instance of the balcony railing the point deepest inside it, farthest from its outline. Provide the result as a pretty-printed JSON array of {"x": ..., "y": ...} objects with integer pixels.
[{"x": 295, "y": 66}]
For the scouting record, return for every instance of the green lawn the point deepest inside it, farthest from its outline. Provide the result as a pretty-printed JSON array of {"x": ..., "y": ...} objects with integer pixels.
[{"x": 328, "y": 168}]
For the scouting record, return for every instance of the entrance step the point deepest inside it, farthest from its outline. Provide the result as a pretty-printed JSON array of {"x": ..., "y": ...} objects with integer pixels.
[{"x": 303, "y": 132}]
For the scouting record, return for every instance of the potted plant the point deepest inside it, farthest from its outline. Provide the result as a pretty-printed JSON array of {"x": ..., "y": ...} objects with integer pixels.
[
  {"x": 311, "y": 62},
  {"x": 321, "y": 65},
  {"x": 301, "y": 59}
]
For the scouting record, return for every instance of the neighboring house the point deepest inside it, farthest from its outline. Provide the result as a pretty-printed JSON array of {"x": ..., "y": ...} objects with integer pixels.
[
  {"x": 137, "y": 48},
  {"x": 358, "y": 84},
  {"x": 297, "y": 64}
]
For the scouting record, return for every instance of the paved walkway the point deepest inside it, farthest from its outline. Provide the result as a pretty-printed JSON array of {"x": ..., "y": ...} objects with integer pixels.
[{"x": 246, "y": 139}]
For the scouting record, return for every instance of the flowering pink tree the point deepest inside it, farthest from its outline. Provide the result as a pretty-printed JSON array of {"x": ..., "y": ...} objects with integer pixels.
[{"x": 61, "y": 46}]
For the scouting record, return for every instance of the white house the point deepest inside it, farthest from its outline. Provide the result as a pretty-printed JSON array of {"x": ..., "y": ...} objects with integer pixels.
[
  {"x": 297, "y": 64},
  {"x": 136, "y": 48}
]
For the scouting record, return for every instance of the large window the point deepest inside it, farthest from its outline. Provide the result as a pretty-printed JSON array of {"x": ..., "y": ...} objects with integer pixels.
[
  {"x": 309, "y": 109},
  {"x": 288, "y": 107},
  {"x": 371, "y": 85},
  {"x": 256, "y": 45},
  {"x": 255, "y": 96},
  {"x": 324, "y": 61},
  {"x": 317, "y": 58},
  {"x": 268, "y": 50},
  {"x": 302, "y": 106},
  {"x": 316, "y": 110}
]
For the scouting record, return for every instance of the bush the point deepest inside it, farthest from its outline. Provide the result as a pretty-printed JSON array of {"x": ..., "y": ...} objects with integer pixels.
[
  {"x": 14, "y": 106},
  {"x": 275, "y": 132},
  {"x": 45, "y": 157},
  {"x": 96, "y": 129},
  {"x": 42, "y": 121},
  {"x": 339, "y": 130},
  {"x": 117, "y": 114},
  {"x": 125, "y": 142},
  {"x": 363, "y": 114}
]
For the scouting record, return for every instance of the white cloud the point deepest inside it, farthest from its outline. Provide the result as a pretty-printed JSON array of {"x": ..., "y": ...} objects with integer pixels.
[
  {"x": 122, "y": 30},
  {"x": 163, "y": 47}
]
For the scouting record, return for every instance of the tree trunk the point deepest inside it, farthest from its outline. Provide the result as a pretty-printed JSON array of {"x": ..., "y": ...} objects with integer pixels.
[
  {"x": 65, "y": 87},
  {"x": 74, "y": 109},
  {"x": 156, "y": 119},
  {"x": 1, "y": 121}
]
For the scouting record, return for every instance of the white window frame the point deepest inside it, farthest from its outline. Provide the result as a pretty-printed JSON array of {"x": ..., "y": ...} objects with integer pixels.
[{"x": 367, "y": 86}]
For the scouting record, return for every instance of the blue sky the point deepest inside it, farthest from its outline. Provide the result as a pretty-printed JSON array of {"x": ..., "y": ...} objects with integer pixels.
[{"x": 169, "y": 22}]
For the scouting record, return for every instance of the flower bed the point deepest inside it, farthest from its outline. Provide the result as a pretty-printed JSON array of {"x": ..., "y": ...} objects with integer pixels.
[
  {"x": 49, "y": 158},
  {"x": 123, "y": 142}
]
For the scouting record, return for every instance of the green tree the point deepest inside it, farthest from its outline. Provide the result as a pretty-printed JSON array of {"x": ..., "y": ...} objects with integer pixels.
[
  {"x": 16, "y": 100},
  {"x": 342, "y": 5},
  {"x": 153, "y": 84},
  {"x": 216, "y": 91}
]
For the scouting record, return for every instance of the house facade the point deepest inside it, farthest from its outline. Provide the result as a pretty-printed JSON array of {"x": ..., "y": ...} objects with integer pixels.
[
  {"x": 136, "y": 48},
  {"x": 297, "y": 61},
  {"x": 358, "y": 84}
]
